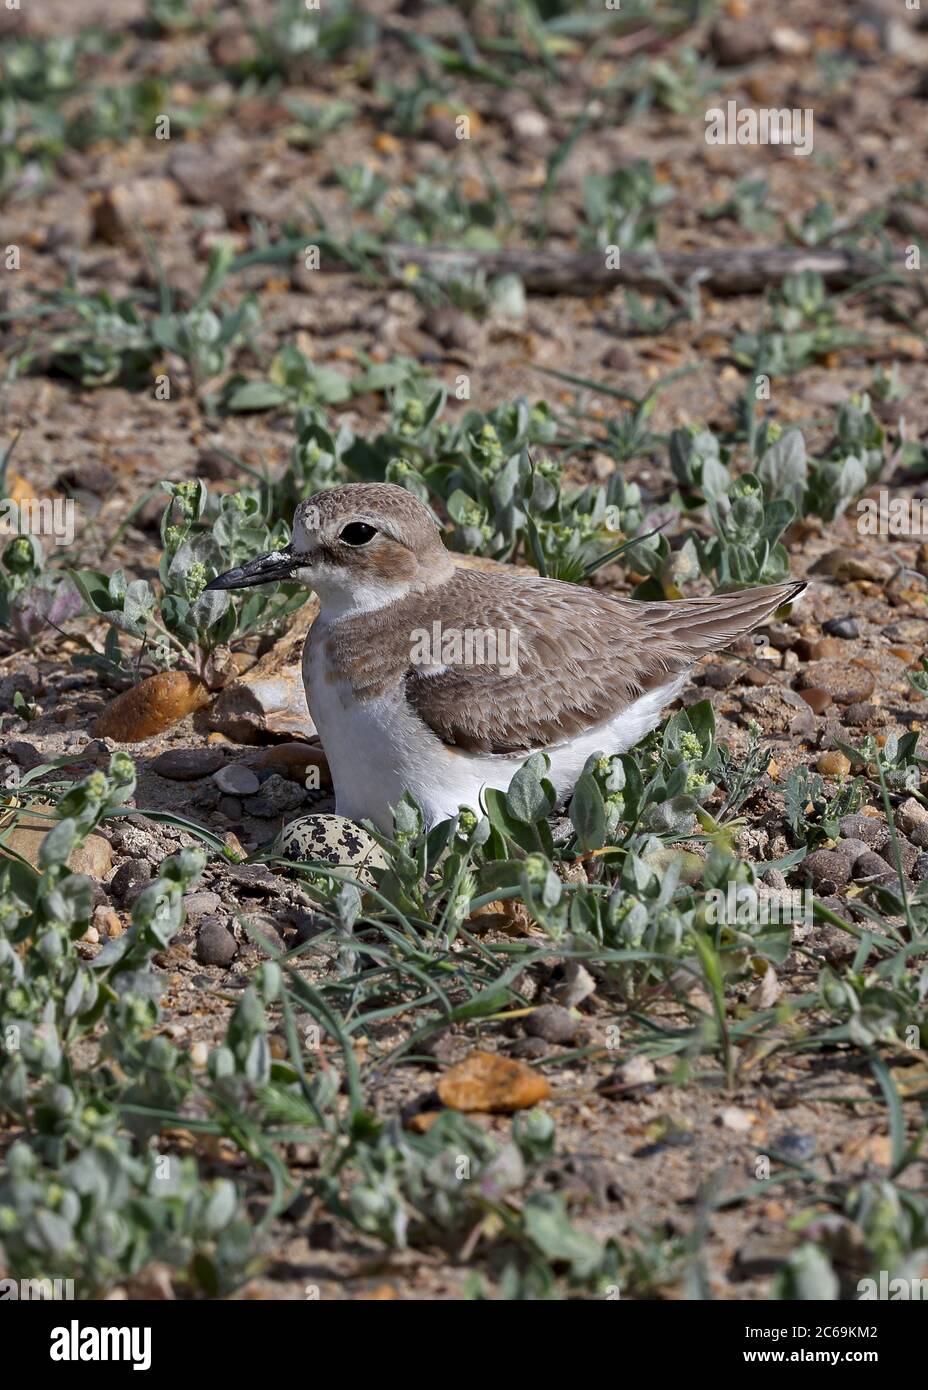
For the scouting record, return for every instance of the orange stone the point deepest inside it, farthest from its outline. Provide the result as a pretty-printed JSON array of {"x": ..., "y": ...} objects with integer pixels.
[
  {"x": 817, "y": 699},
  {"x": 485, "y": 1081},
  {"x": 833, "y": 764},
  {"x": 385, "y": 143},
  {"x": 151, "y": 706}
]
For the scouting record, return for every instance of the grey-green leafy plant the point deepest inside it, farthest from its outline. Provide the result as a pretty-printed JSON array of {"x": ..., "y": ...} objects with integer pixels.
[
  {"x": 294, "y": 40},
  {"x": 746, "y": 547},
  {"x": 79, "y": 1200},
  {"x": 679, "y": 83},
  {"x": 173, "y": 16},
  {"x": 813, "y": 815},
  {"x": 919, "y": 679},
  {"x": 177, "y": 622},
  {"x": 41, "y": 67},
  {"x": 103, "y": 340},
  {"x": 804, "y": 327},
  {"x": 748, "y": 204},
  {"x": 293, "y": 381},
  {"x": 34, "y": 594},
  {"x": 621, "y": 208},
  {"x": 824, "y": 487}
]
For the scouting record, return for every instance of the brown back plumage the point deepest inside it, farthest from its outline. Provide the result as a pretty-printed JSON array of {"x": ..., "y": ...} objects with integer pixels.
[{"x": 582, "y": 656}]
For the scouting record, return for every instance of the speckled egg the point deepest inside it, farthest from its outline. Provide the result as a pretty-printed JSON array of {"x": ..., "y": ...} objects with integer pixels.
[{"x": 334, "y": 840}]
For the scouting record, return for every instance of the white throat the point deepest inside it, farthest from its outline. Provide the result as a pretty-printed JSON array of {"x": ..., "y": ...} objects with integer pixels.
[{"x": 338, "y": 600}]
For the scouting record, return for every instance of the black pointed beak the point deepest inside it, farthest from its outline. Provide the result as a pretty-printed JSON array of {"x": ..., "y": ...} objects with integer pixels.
[{"x": 263, "y": 569}]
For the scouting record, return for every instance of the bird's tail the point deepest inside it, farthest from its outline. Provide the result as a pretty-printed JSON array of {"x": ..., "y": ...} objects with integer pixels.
[{"x": 708, "y": 624}]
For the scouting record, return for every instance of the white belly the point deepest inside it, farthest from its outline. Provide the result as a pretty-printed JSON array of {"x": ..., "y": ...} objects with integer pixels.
[{"x": 378, "y": 749}]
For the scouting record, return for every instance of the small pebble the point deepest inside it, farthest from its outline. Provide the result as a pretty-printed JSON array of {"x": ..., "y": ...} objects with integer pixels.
[
  {"x": 236, "y": 780},
  {"x": 277, "y": 796},
  {"x": 201, "y": 904},
  {"x": 573, "y": 985},
  {"x": 107, "y": 922},
  {"x": 846, "y": 683},
  {"x": 833, "y": 764},
  {"x": 530, "y": 1049},
  {"x": 795, "y": 1146},
  {"x": 733, "y": 1117},
  {"x": 92, "y": 476},
  {"x": 819, "y": 649},
  {"x": 187, "y": 764},
  {"x": 551, "y": 1022},
  {"x": 852, "y": 849},
  {"x": 872, "y": 868},
  {"x": 817, "y": 699},
  {"x": 618, "y": 359},
  {"x": 25, "y": 754},
  {"x": 862, "y": 712},
  {"x": 845, "y": 628},
  {"x": 637, "y": 1071},
  {"x": 453, "y": 328},
  {"x": 908, "y": 854},
  {"x": 215, "y": 943},
  {"x": 913, "y": 630},
  {"x": 210, "y": 463},
  {"x": 721, "y": 677},
  {"x": 870, "y": 829},
  {"x": 827, "y": 870},
  {"x": 129, "y": 879},
  {"x": 736, "y": 42},
  {"x": 912, "y": 819},
  {"x": 528, "y": 125}
]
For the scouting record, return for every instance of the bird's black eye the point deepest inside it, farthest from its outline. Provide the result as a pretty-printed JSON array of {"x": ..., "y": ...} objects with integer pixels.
[{"x": 357, "y": 533}]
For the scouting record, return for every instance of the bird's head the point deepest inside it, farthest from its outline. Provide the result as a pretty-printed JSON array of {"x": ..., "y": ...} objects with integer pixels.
[{"x": 359, "y": 547}]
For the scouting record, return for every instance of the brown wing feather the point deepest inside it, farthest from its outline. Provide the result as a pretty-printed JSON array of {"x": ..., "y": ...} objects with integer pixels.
[
  {"x": 579, "y": 663},
  {"x": 582, "y": 655}
]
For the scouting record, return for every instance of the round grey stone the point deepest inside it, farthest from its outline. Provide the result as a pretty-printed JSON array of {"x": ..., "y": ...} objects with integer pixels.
[
  {"x": 907, "y": 854},
  {"x": 236, "y": 780},
  {"x": 553, "y": 1023},
  {"x": 530, "y": 1049},
  {"x": 129, "y": 879},
  {"x": 201, "y": 904},
  {"x": 215, "y": 943},
  {"x": 873, "y": 868},
  {"x": 827, "y": 870},
  {"x": 188, "y": 764},
  {"x": 842, "y": 627},
  {"x": 873, "y": 832},
  {"x": 794, "y": 1145},
  {"x": 25, "y": 754},
  {"x": 852, "y": 849}
]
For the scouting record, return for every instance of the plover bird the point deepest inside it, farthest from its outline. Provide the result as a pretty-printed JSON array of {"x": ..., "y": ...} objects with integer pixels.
[{"x": 426, "y": 677}]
